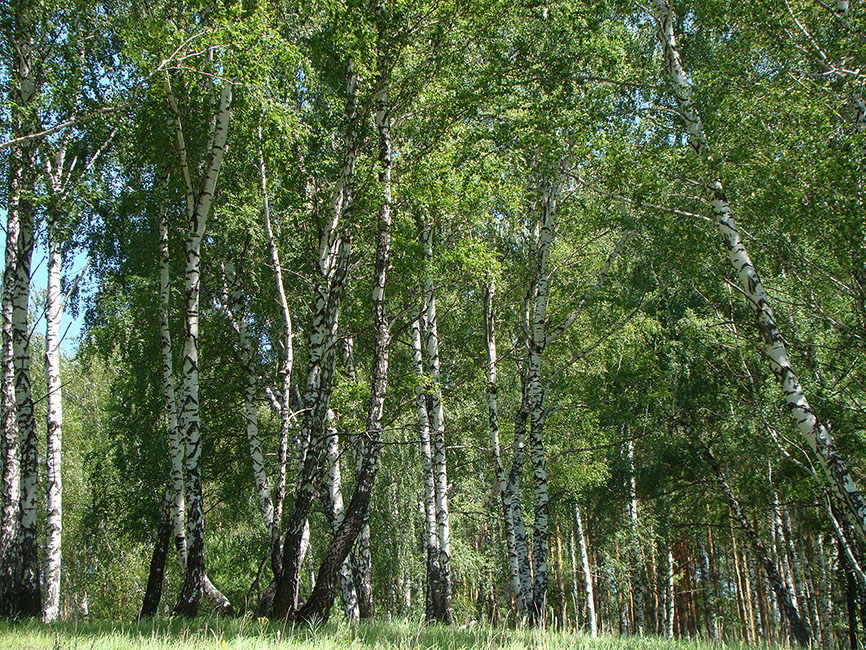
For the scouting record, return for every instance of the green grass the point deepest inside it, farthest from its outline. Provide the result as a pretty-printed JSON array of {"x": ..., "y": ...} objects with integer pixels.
[{"x": 251, "y": 634}]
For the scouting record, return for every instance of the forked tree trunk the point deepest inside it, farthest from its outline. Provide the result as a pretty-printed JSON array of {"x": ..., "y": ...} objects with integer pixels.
[
  {"x": 332, "y": 267},
  {"x": 816, "y": 433},
  {"x": 318, "y": 605},
  {"x": 286, "y": 367},
  {"x": 199, "y": 206}
]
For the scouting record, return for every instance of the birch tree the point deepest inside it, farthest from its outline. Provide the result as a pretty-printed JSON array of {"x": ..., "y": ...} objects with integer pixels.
[{"x": 815, "y": 433}]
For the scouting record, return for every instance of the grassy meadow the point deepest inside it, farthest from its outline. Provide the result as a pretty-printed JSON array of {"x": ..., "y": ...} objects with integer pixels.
[{"x": 251, "y": 634}]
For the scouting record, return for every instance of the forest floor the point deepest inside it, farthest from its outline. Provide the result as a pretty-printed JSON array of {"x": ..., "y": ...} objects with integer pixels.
[{"x": 251, "y": 634}]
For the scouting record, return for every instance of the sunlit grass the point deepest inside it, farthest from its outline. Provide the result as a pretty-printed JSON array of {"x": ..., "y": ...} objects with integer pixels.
[{"x": 252, "y": 634}]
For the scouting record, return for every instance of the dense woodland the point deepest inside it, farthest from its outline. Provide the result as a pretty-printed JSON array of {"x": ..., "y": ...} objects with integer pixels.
[{"x": 535, "y": 313}]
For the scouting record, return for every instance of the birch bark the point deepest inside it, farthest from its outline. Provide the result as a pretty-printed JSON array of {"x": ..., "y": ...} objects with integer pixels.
[
  {"x": 587, "y": 573},
  {"x": 54, "y": 429},
  {"x": 288, "y": 362},
  {"x": 437, "y": 434},
  {"x": 493, "y": 423},
  {"x": 332, "y": 267},
  {"x": 199, "y": 207},
  {"x": 19, "y": 214},
  {"x": 815, "y": 432},
  {"x": 318, "y": 605}
]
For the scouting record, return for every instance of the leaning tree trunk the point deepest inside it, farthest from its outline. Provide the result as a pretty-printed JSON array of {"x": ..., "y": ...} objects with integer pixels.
[
  {"x": 799, "y": 628},
  {"x": 816, "y": 434},
  {"x": 318, "y": 605},
  {"x": 190, "y": 597},
  {"x": 54, "y": 428}
]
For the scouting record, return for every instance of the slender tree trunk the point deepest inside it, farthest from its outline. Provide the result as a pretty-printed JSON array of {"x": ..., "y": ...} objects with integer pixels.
[
  {"x": 637, "y": 579},
  {"x": 493, "y": 423},
  {"x": 53, "y": 525},
  {"x": 190, "y": 597},
  {"x": 236, "y": 313},
  {"x": 587, "y": 573},
  {"x": 521, "y": 546},
  {"x": 815, "y": 433},
  {"x": 286, "y": 368},
  {"x": 670, "y": 597},
  {"x": 171, "y": 525},
  {"x": 318, "y": 605},
  {"x": 437, "y": 434},
  {"x": 798, "y": 626},
  {"x": 431, "y": 531}
]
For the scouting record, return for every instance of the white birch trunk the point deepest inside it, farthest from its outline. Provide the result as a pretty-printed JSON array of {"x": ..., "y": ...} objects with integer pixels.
[
  {"x": 437, "y": 432},
  {"x": 288, "y": 362},
  {"x": 29, "y": 596},
  {"x": 670, "y": 594},
  {"x": 499, "y": 468},
  {"x": 201, "y": 202},
  {"x": 333, "y": 494},
  {"x": 815, "y": 433},
  {"x": 637, "y": 583},
  {"x": 587, "y": 573},
  {"x": 535, "y": 400},
  {"x": 54, "y": 428},
  {"x": 237, "y": 316},
  {"x": 431, "y": 536},
  {"x": 19, "y": 216}
]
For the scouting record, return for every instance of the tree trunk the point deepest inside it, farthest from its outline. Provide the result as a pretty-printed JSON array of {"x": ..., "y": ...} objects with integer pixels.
[
  {"x": 288, "y": 362},
  {"x": 815, "y": 433},
  {"x": 637, "y": 579},
  {"x": 535, "y": 400},
  {"x": 318, "y": 605},
  {"x": 54, "y": 428},
  {"x": 437, "y": 435},
  {"x": 587, "y": 573},
  {"x": 493, "y": 423},
  {"x": 332, "y": 496},
  {"x": 798, "y": 626},
  {"x": 19, "y": 218},
  {"x": 332, "y": 267},
  {"x": 431, "y": 531},
  {"x": 190, "y": 597}
]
